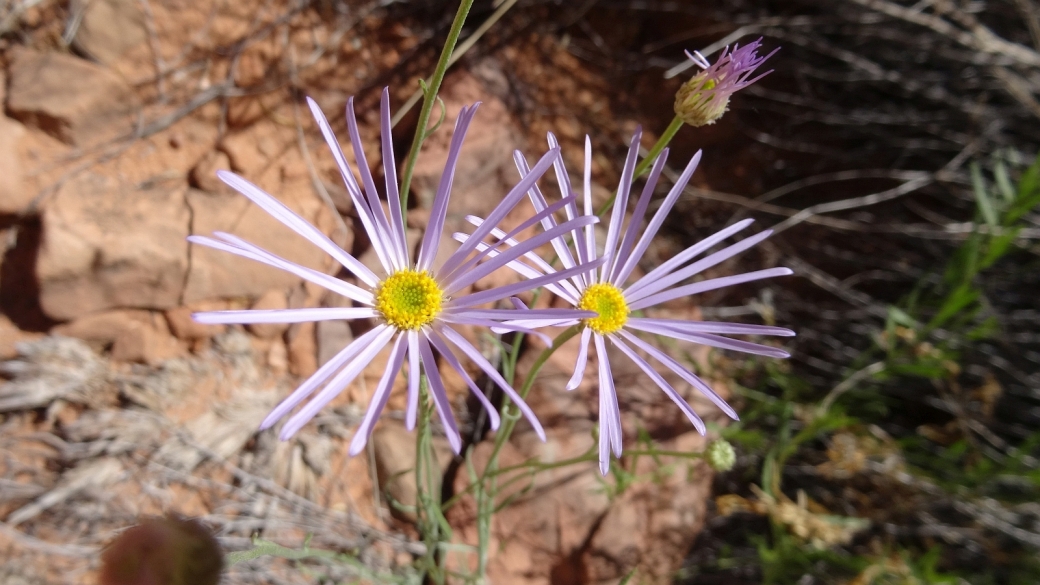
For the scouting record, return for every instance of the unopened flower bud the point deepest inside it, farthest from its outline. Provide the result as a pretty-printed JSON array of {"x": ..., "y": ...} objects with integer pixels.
[
  {"x": 705, "y": 97},
  {"x": 720, "y": 455},
  {"x": 163, "y": 551}
]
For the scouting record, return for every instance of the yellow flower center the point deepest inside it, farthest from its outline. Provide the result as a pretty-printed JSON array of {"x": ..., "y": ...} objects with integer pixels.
[
  {"x": 409, "y": 299},
  {"x": 609, "y": 302}
]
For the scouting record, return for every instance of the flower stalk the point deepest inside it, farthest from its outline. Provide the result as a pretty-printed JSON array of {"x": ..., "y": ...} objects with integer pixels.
[{"x": 430, "y": 91}]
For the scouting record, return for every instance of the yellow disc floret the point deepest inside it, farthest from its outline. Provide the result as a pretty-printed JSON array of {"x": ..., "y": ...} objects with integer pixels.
[
  {"x": 409, "y": 299},
  {"x": 609, "y": 302}
]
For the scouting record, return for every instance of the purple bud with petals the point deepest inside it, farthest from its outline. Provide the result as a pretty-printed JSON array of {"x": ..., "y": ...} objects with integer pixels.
[{"x": 705, "y": 98}]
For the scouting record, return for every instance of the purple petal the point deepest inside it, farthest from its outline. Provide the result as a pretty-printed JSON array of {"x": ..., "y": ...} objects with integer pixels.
[
  {"x": 712, "y": 327},
  {"x": 247, "y": 250},
  {"x": 620, "y": 205},
  {"x": 439, "y": 210},
  {"x": 499, "y": 327},
  {"x": 393, "y": 195},
  {"x": 281, "y": 315},
  {"x": 712, "y": 340},
  {"x": 440, "y": 395},
  {"x": 706, "y": 285},
  {"x": 658, "y": 219},
  {"x": 604, "y": 435},
  {"x": 500, "y": 211},
  {"x": 360, "y": 204},
  {"x": 379, "y": 398},
  {"x": 610, "y": 414},
  {"x": 515, "y": 252},
  {"x": 317, "y": 378},
  {"x": 590, "y": 231},
  {"x": 292, "y": 220},
  {"x": 663, "y": 384},
  {"x": 653, "y": 286},
  {"x": 414, "y": 374},
  {"x": 582, "y": 361},
  {"x": 682, "y": 257},
  {"x": 502, "y": 240},
  {"x": 525, "y": 325},
  {"x": 449, "y": 357},
  {"x": 460, "y": 342},
  {"x": 562, "y": 288},
  {"x": 540, "y": 204},
  {"x": 564, "y": 180},
  {"x": 606, "y": 382},
  {"x": 509, "y": 290},
  {"x": 336, "y": 384},
  {"x": 527, "y": 314},
  {"x": 682, "y": 372},
  {"x": 389, "y": 238},
  {"x": 637, "y": 218}
]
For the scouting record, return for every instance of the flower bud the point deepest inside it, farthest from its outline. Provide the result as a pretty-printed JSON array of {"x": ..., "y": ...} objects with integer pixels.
[
  {"x": 163, "y": 551},
  {"x": 705, "y": 97},
  {"x": 720, "y": 455}
]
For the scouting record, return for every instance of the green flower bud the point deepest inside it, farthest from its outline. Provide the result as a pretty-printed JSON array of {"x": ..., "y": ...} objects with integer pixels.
[{"x": 720, "y": 455}]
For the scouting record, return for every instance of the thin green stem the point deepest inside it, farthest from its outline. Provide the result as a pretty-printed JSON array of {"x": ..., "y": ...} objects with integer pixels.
[
  {"x": 644, "y": 165},
  {"x": 487, "y": 486},
  {"x": 510, "y": 418},
  {"x": 430, "y": 98},
  {"x": 534, "y": 466},
  {"x": 429, "y": 516}
]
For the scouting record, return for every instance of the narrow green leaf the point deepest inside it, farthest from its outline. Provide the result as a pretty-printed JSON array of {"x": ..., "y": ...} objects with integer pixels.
[{"x": 978, "y": 184}]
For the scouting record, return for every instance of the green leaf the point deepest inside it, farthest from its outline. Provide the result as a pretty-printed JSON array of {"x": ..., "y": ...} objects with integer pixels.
[
  {"x": 982, "y": 196},
  {"x": 955, "y": 303},
  {"x": 1004, "y": 187}
]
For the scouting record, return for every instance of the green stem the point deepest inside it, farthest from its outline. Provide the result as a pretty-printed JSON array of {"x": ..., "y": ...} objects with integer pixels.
[
  {"x": 429, "y": 517},
  {"x": 430, "y": 97},
  {"x": 534, "y": 466},
  {"x": 510, "y": 419},
  {"x": 644, "y": 165},
  {"x": 486, "y": 485}
]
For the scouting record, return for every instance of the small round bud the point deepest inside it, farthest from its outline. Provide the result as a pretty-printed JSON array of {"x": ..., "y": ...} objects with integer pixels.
[
  {"x": 705, "y": 97},
  {"x": 163, "y": 551},
  {"x": 697, "y": 104},
  {"x": 720, "y": 455}
]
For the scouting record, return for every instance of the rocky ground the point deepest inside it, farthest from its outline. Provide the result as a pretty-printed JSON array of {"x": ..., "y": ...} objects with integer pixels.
[{"x": 116, "y": 114}]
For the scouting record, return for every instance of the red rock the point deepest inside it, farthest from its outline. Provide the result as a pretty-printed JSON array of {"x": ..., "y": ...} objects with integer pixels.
[
  {"x": 108, "y": 28},
  {"x": 149, "y": 343},
  {"x": 333, "y": 336},
  {"x": 184, "y": 327},
  {"x": 216, "y": 274},
  {"x": 14, "y": 195},
  {"x": 303, "y": 350},
  {"x": 74, "y": 100},
  {"x": 11, "y": 336},
  {"x": 204, "y": 174},
  {"x": 132, "y": 335},
  {"x": 270, "y": 300},
  {"x": 100, "y": 330},
  {"x": 107, "y": 245}
]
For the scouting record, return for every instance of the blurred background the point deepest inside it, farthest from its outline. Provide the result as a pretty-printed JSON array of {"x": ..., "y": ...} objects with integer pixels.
[{"x": 892, "y": 149}]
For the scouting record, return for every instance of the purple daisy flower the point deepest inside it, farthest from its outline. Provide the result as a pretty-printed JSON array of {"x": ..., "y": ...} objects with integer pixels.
[
  {"x": 416, "y": 306},
  {"x": 705, "y": 97},
  {"x": 607, "y": 293}
]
